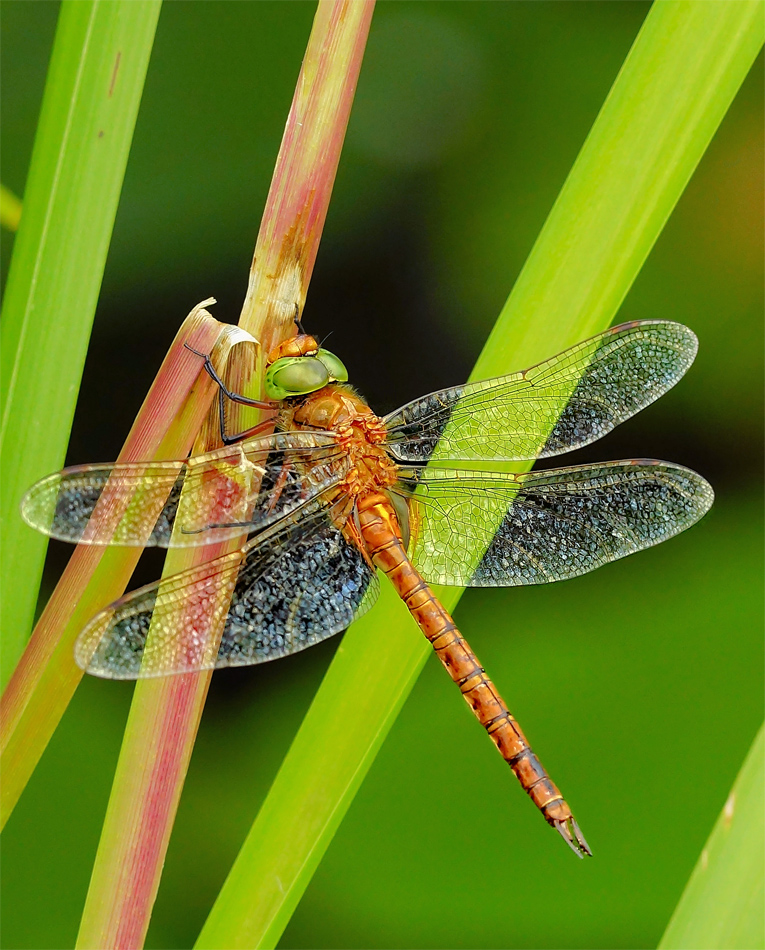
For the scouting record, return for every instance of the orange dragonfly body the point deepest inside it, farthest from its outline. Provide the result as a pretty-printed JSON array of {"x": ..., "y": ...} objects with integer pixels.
[{"x": 337, "y": 492}]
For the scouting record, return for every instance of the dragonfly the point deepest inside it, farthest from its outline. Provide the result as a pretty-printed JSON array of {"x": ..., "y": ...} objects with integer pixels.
[{"x": 335, "y": 495}]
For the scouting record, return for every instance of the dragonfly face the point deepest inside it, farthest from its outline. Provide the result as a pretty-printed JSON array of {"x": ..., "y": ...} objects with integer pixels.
[
  {"x": 300, "y": 366},
  {"x": 320, "y": 498}
]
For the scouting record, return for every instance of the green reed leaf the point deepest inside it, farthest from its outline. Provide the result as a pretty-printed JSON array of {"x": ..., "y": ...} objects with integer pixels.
[
  {"x": 97, "y": 70},
  {"x": 723, "y": 905},
  {"x": 669, "y": 98}
]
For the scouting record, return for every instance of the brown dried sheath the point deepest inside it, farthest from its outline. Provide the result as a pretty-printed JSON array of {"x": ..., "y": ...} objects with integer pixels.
[{"x": 379, "y": 529}]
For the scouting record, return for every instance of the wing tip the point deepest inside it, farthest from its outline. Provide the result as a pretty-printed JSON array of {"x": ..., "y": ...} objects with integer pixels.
[
  {"x": 702, "y": 489},
  {"x": 37, "y": 506},
  {"x": 685, "y": 340}
]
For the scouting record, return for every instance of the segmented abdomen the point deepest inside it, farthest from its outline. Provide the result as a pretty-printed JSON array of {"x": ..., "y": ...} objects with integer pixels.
[{"x": 381, "y": 536}]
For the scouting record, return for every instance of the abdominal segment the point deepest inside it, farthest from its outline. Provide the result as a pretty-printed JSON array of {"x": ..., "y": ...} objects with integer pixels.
[{"x": 377, "y": 523}]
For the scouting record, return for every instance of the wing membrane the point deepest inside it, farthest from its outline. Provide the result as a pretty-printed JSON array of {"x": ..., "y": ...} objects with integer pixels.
[
  {"x": 490, "y": 530},
  {"x": 280, "y": 594},
  {"x": 140, "y": 503},
  {"x": 559, "y": 405}
]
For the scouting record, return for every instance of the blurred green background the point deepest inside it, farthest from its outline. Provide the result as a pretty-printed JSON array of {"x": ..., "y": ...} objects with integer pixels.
[{"x": 640, "y": 686}]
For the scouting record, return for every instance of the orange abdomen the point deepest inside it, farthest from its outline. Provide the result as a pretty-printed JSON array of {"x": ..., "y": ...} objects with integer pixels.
[{"x": 381, "y": 535}]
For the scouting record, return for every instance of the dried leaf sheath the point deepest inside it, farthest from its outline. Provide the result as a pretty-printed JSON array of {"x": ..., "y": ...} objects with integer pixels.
[{"x": 46, "y": 677}]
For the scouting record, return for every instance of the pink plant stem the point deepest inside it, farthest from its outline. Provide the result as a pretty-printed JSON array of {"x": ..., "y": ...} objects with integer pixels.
[
  {"x": 159, "y": 738},
  {"x": 298, "y": 200},
  {"x": 165, "y": 710},
  {"x": 179, "y": 702},
  {"x": 46, "y": 676},
  {"x": 165, "y": 715}
]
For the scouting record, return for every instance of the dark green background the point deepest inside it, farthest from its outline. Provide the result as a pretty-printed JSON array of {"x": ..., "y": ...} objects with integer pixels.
[{"x": 640, "y": 686}]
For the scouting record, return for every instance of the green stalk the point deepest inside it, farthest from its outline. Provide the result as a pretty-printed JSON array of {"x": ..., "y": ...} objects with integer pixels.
[
  {"x": 669, "y": 98},
  {"x": 723, "y": 905},
  {"x": 97, "y": 70}
]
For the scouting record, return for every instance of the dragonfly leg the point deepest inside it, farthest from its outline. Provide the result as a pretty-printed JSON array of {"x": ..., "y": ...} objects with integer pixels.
[
  {"x": 353, "y": 533},
  {"x": 298, "y": 322},
  {"x": 225, "y": 393},
  {"x": 463, "y": 666},
  {"x": 228, "y": 439},
  {"x": 262, "y": 428},
  {"x": 281, "y": 481}
]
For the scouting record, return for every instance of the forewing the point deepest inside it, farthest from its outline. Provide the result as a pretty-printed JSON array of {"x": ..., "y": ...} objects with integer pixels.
[
  {"x": 490, "y": 530},
  {"x": 139, "y": 503},
  {"x": 559, "y": 405},
  {"x": 295, "y": 585}
]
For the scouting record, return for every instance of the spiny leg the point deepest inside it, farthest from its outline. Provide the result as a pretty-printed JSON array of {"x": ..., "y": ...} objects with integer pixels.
[{"x": 225, "y": 393}]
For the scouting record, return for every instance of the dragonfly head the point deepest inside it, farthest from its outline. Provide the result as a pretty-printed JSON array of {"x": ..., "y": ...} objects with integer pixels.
[{"x": 288, "y": 376}]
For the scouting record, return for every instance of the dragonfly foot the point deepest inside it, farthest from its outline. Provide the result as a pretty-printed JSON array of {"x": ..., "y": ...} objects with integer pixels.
[
  {"x": 205, "y": 356},
  {"x": 571, "y": 833}
]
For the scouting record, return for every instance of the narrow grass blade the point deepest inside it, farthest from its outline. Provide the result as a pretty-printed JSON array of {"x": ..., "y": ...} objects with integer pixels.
[
  {"x": 723, "y": 905},
  {"x": 165, "y": 715},
  {"x": 97, "y": 70},
  {"x": 10, "y": 209},
  {"x": 670, "y": 96},
  {"x": 46, "y": 677}
]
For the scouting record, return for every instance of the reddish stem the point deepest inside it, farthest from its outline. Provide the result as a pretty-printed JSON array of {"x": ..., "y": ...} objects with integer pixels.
[{"x": 165, "y": 714}]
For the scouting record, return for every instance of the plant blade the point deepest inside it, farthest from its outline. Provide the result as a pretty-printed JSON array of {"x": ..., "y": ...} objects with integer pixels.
[
  {"x": 97, "y": 70},
  {"x": 723, "y": 905},
  {"x": 671, "y": 94}
]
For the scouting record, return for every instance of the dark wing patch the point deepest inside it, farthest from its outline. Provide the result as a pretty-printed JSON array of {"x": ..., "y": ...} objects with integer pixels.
[
  {"x": 490, "y": 530},
  {"x": 308, "y": 587},
  {"x": 296, "y": 587},
  {"x": 559, "y": 405}
]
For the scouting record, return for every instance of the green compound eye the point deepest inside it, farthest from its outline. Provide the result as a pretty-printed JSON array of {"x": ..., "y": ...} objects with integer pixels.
[
  {"x": 295, "y": 376},
  {"x": 337, "y": 371}
]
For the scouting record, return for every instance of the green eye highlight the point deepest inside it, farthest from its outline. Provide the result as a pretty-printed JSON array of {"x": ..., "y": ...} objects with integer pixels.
[
  {"x": 295, "y": 376},
  {"x": 337, "y": 371}
]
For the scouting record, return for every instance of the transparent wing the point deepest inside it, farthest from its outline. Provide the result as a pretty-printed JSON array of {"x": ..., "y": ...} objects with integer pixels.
[
  {"x": 140, "y": 503},
  {"x": 559, "y": 405},
  {"x": 488, "y": 530},
  {"x": 282, "y": 593}
]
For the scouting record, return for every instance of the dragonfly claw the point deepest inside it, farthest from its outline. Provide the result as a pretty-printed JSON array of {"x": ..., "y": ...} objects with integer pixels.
[{"x": 571, "y": 833}]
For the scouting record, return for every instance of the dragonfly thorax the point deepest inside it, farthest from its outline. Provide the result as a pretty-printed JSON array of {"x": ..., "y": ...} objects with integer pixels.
[
  {"x": 332, "y": 407},
  {"x": 359, "y": 432}
]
